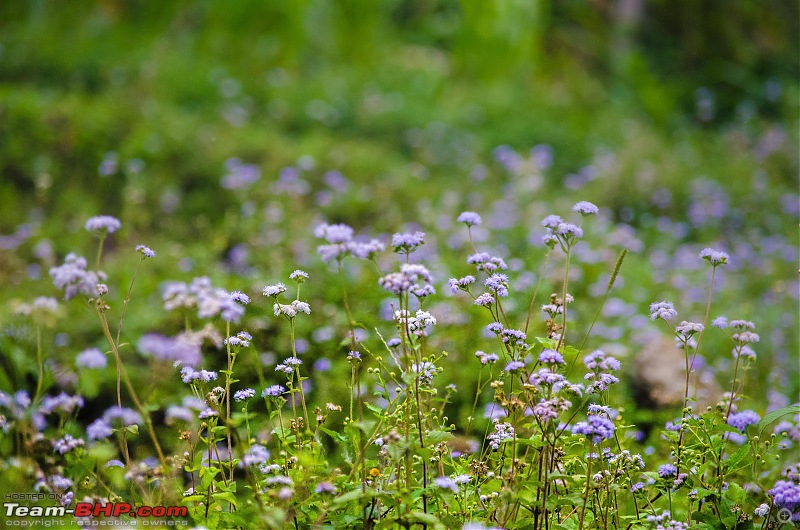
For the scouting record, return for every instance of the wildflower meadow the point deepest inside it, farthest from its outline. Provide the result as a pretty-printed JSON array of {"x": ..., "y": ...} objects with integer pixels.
[{"x": 260, "y": 275}]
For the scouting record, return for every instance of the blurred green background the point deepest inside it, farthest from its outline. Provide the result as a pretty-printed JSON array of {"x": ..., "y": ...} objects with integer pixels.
[
  {"x": 183, "y": 86},
  {"x": 678, "y": 118}
]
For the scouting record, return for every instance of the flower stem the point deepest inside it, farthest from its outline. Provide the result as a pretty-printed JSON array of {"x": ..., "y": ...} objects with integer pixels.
[
  {"x": 228, "y": 399},
  {"x": 564, "y": 306},
  {"x": 40, "y": 363}
]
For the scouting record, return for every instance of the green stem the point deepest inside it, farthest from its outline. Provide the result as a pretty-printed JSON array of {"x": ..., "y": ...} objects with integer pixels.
[
  {"x": 536, "y": 290},
  {"x": 127, "y": 299},
  {"x": 563, "y": 333},
  {"x": 40, "y": 364},
  {"x": 586, "y": 493},
  {"x": 123, "y": 374},
  {"x": 99, "y": 251},
  {"x": 228, "y": 399},
  {"x": 299, "y": 381}
]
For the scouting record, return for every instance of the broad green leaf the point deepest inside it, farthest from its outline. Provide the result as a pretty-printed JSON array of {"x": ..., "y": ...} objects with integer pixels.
[
  {"x": 225, "y": 496},
  {"x": 708, "y": 519},
  {"x": 337, "y": 436},
  {"x": 351, "y": 496},
  {"x": 435, "y": 437},
  {"x": 775, "y": 414},
  {"x": 732, "y": 461},
  {"x": 422, "y": 517}
]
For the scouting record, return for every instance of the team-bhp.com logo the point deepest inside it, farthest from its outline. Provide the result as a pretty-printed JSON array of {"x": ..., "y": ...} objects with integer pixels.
[
  {"x": 87, "y": 509},
  {"x": 20, "y": 515}
]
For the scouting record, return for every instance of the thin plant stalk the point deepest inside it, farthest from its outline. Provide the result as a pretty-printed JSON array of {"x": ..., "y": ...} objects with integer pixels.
[
  {"x": 690, "y": 367},
  {"x": 228, "y": 399},
  {"x": 39, "y": 363},
  {"x": 536, "y": 290},
  {"x": 564, "y": 319},
  {"x": 122, "y": 373}
]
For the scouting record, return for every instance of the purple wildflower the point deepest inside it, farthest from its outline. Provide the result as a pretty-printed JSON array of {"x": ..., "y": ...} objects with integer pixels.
[
  {"x": 190, "y": 375},
  {"x": 98, "y": 430},
  {"x": 596, "y": 428},
  {"x": 446, "y": 483},
  {"x": 337, "y": 233},
  {"x": 667, "y": 470},
  {"x": 549, "y": 356},
  {"x": 552, "y": 221},
  {"x": 102, "y": 223},
  {"x": 569, "y": 232},
  {"x": 124, "y": 415},
  {"x": 503, "y": 432},
  {"x": 181, "y": 349},
  {"x": 459, "y": 284},
  {"x": 91, "y": 358},
  {"x": 406, "y": 243},
  {"x": 62, "y": 403},
  {"x": 273, "y": 391},
  {"x": 145, "y": 251},
  {"x": 663, "y": 310},
  {"x": 495, "y": 327},
  {"x": 687, "y": 329},
  {"x": 741, "y": 420},
  {"x": 255, "y": 456},
  {"x": 714, "y": 257},
  {"x": 720, "y": 322},
  {"x": 498, "y": 284},
  {"x": 242, "y": 395},
  {"x": 299, "y": 276},
  {"x": 585, "y": 208},
  {"x": 274, "y": 290},
  {"x": 469, "y": 219},
  {"x": 513, "y": 366},
  {"x": 365, "y": 249},
  {"x": 325, "y": 487},
  {"x": 73, "y": 278},
  {"x": 484, "y": 300}
]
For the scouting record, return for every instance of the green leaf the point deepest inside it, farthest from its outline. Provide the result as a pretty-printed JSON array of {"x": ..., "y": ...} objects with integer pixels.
[
  {"x": 337, "y": 436},
  {"x": 702, "y": 493},
  {"x": 435, "y": 437},
  {"x": 547, "y": 343},
  {"x": 731, "y": 462},
  {"x": 225, "y": 496},
  {"x": 775, "y": 414},
  {"x": 422, "y": 517},
  {"x": 735, "y": 494},
  {"x": 409, "y": 377},
  {"x": 708, "y": 519},
  {"x": 351, "y": 496},
  {"x": 562, "y": 476},
  {"x": 569, "y": 524},
  {"x": 379, "y": 412},
  {"x": 193, "y": 498},
  {"x": 132, "y": 429},
  {"x": 574, "y": 499},
  {"x": 535, "y": 441}
]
